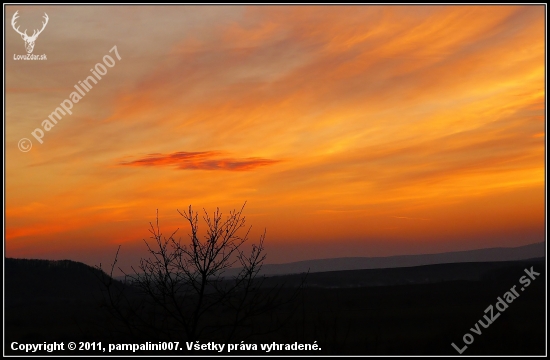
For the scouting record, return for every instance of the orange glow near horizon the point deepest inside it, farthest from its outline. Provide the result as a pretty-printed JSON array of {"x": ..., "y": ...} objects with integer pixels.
[{"x": 349, "y": 131}]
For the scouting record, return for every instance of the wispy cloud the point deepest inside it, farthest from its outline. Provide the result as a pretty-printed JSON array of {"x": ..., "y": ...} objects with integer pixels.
[{"x": 410, "y": 218}]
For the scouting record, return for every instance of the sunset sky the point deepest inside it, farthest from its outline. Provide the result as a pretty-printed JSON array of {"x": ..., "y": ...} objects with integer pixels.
[{"x": 349, "y": 131}]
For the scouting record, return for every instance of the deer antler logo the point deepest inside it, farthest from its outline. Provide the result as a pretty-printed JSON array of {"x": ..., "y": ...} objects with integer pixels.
[{"x": 29, "y": 40}]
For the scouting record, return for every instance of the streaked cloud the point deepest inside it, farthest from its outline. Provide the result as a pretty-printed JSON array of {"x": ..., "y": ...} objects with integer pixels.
[{"x": 410, "y": 218}]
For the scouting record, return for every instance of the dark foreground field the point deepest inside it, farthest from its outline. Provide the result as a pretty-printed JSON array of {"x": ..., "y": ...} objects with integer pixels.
[{"x": 419, "y": 310}]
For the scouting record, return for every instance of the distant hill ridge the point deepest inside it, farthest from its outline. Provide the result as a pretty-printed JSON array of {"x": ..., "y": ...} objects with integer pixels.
[
  {"x": 34, "y": 270},
  {"x": 536, "y": 250}
]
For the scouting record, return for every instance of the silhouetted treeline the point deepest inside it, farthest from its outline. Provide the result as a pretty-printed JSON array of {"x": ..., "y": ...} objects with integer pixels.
[{"x": 420, "y": 318}]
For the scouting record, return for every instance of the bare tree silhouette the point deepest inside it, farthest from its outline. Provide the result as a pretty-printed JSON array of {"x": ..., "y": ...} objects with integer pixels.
[{"x": 183, "y": 290}]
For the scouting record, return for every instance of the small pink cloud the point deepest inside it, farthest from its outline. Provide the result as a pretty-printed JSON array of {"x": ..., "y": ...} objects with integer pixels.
[{"x": 202, "y": 160}]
